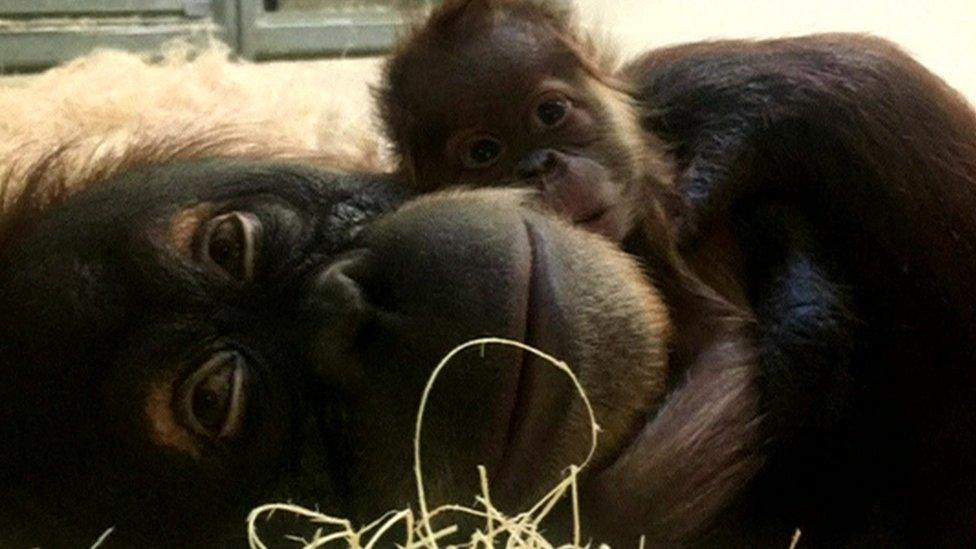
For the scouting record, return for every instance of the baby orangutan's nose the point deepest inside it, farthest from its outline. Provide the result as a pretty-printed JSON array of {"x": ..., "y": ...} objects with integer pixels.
[
  {"x": 540, "y": 163},
  {"x": 577, "y": 188}
]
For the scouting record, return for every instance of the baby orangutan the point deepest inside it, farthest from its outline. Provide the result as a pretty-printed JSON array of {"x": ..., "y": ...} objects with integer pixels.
[
  {"x": 822, "y": 187},
  {"x": 510, "y": 105}
]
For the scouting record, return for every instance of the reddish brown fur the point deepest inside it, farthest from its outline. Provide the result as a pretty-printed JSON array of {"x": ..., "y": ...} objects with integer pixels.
[{"x": 875, "y": 160}]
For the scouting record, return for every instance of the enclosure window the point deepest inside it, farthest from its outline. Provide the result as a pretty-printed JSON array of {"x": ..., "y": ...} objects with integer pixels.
[
  {"x": 315, "y": 28},
  {"x": 40, "y": 33}
]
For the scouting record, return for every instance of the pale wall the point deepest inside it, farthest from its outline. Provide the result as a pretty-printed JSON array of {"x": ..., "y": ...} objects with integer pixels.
[{"x": 940, "y": 33}]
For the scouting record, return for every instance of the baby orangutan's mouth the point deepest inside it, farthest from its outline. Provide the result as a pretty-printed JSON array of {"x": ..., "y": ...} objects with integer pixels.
[
  {"x": 606, "y": 220},
  {"x": 593, "y": 216},
  {"x": 584, "y": 192}
]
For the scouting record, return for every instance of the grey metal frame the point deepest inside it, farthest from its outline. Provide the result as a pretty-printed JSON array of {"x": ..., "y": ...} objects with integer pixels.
[
  {"x": 74, "y": 7},
  {"x": 65, "y": 30},
  {"x": 36, "y": 34},
  {"x": 284, "y": 34}
]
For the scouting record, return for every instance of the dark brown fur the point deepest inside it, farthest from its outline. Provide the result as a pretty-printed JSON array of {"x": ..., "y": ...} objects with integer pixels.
[{"x": 827, "y": 183}]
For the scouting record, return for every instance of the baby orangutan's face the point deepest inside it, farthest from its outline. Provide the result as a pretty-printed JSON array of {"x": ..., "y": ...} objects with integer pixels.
[{"x": 493, "y": 100}]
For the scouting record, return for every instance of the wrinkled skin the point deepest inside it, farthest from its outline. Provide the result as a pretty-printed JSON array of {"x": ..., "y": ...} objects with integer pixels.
[{"x": 192, "y": 339}]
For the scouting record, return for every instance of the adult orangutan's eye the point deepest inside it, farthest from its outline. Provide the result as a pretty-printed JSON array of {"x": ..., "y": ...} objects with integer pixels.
[
  {"x": 212, "y": 401},
  {"x": 230, "y": 243}
]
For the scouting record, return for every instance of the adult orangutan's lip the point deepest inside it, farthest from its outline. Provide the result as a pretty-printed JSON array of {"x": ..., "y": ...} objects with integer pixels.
[
  {"x": 522, "y": 390},
  {"x": 517, "y": 391},
  {"x": 526, "y": 419},
  {"x": 496, "y": 445},
  {"x": 591, "y": 216},
  {"x": 605, "y": 221}
]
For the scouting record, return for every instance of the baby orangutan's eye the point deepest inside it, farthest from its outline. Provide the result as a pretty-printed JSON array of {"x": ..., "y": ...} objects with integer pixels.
[
  {"x": 481, "y": 151},
  {"x": 552, "y": 111}
]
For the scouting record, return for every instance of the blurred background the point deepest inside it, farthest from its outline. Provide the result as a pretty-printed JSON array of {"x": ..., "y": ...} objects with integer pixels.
[
  {"x": 939, "y": 33},
  {"x": 35, "y": 34}
]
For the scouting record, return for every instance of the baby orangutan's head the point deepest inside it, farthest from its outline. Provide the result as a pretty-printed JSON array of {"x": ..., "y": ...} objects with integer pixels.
[{"x": 504, "y": 92}]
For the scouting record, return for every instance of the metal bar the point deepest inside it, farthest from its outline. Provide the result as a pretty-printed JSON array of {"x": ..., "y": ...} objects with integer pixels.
[
  {"x": 324, "y": 40},
  {"x": 197, "y": 8},
  {"x": 224, "y": 14},
  {"x": 47, "y": 8},
  {"x": 306, "y": 34}
]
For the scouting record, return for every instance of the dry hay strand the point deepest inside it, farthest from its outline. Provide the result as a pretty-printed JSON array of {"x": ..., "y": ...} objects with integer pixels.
[{"x": 519, "y": 531}]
